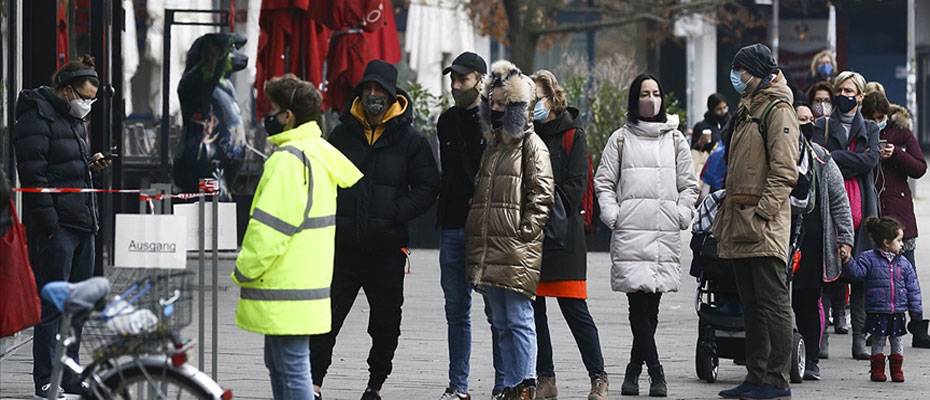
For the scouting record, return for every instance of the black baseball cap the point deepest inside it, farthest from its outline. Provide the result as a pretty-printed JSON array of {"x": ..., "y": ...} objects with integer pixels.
[{"x": 467, "y": 62}]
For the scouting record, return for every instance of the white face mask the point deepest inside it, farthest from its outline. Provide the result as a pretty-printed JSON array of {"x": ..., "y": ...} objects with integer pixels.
[
  {"x": 80, "y": 107},
  {"x": 649, "y": 106}
]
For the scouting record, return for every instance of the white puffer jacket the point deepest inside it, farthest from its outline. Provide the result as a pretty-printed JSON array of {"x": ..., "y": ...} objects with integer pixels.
[{"x": 646, "y": 189}]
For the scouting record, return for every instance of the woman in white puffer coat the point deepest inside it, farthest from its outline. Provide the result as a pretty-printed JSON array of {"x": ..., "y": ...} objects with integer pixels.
[{"x": 646, "y": 189}]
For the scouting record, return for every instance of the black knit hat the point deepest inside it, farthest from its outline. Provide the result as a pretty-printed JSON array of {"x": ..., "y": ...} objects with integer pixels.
[
  {"x": 757, "y": 59},
  {"x": 382, "y": 73}
]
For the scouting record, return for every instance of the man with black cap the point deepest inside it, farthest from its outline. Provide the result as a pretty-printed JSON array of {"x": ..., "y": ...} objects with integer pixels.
[
  {"x": 400, "y": 183},
  {"x": 753, "y": 224},
  {"x": 461, "y": 145}
]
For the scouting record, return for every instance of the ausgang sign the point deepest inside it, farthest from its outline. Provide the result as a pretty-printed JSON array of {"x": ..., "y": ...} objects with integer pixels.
[{"x": 150, "y": 241}]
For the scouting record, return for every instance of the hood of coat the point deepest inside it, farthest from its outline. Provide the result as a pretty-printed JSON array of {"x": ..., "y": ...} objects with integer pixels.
[
  {"x": 900, "y": 118},
  {"x": 654, "y": 129},
  {"x": 563, "y": 122},
  {"x": 45, "y": 101},
  {"x": 519, "y": 92},
  {"x": 405, "y": 116}
]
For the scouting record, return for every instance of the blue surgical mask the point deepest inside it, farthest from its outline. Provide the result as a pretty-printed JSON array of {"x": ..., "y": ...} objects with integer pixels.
[
  {"x": 882, "y": 124},
  {"x": 540, "y": 112},
  {"x": 825, "y": 70},
  {"x": 737, "y": 81}
]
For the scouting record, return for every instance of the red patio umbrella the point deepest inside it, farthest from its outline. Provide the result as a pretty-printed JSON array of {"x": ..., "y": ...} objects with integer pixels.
[{"x": 363, "y": 30}]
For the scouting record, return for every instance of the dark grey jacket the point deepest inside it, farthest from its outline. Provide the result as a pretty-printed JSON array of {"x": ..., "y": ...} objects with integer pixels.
[{"x": 834, "y": 212}]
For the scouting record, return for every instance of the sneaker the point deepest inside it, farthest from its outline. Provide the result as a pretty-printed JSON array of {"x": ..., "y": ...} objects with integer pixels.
[
  {"x": 811, "y": 372},
  {"x": 371, "y": 394},
  {"x": 42, "y": 393},
  {"x": 453, "y": 395},
  {"x": 767, "y": 392},
  {"x": 738, "y": 391}
]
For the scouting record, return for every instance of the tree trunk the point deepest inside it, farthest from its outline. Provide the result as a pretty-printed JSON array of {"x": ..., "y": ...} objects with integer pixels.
[
  {"x": 522, "y": 40},
  {"x": 523, "y": 50}
]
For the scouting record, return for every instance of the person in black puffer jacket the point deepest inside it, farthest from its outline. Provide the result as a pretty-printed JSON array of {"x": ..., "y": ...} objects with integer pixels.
[
  {"x": 52, "y": 150},
  {"x": 401, "y": 182}
]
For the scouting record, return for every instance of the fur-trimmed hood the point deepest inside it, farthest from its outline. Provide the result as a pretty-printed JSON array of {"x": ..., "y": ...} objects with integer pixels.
[
  {"x": 520, "y": 92},
  {"x": 900, "y": 118}
]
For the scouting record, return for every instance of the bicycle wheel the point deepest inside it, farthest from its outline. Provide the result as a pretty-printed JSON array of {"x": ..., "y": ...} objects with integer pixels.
[{"x": 154, "y": 378}]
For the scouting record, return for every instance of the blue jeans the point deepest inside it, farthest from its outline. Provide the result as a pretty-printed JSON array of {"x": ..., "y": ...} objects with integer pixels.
[
  {"x": 457, "y": 294},
  {"x": 511, "y": 314},
  {"x": 288, "y": 362}
]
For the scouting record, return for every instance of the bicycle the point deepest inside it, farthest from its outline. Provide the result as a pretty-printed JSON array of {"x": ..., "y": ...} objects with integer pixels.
[{"x": 138, "y": 352}]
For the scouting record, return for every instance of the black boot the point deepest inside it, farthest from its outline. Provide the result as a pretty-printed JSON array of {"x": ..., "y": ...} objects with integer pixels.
[
  {"x": 630, "y": 385},
  {"x": 919, "y": 330},
  {"x": 657, "y": 386}
]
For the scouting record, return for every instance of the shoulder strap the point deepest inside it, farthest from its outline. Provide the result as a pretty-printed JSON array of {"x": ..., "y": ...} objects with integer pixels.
[{"x": 763, "y": 123}]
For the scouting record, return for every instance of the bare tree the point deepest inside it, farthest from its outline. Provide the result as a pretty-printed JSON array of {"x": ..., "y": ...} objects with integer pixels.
[{"x": 524, "y": 24}]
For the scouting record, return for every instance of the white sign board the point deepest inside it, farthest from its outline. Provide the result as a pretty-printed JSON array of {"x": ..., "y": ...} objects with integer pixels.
[
  {"x": 150, "y": 241},
  {"x": 227, "y": 222}
]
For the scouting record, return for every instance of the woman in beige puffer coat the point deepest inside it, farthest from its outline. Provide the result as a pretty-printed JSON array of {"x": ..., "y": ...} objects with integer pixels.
[
  {"x": 504, "y": 230},
  {"x": 646, "y": 189}
]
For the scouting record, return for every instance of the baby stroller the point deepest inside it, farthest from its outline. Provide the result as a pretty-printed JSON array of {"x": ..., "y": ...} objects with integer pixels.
[{"x": 721, "y": 329}]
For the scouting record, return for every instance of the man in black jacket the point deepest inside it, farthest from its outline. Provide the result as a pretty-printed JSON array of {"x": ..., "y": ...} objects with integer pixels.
[
  {"x": 461, "y": 145},
  {"x": 50, "y": 139},
  {"x": 401, "y": 182}
]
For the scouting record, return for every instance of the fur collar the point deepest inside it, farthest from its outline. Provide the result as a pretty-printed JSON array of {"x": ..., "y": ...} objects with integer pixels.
[
  {"x": 520, "y": 92},
  {"x": 900, "y": 118}
]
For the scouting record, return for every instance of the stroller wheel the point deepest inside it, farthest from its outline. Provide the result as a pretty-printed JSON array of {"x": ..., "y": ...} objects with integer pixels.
[
  {"x": 798, "y": 359},
  {"x": 706, "y": 362}
]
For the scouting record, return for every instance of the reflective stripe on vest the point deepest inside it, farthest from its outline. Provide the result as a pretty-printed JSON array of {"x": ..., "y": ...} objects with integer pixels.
[
  {"x": 284, "y": 294},
  {"x": 309, "y": 222}
]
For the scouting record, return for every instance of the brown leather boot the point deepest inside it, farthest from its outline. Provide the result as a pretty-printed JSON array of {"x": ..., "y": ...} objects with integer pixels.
[
  {"x": 546, "y": 388},
  {"x": 878, "y": 368},
  {"x": 896, "y": 361},
  {"x": 599, "y": 385}
]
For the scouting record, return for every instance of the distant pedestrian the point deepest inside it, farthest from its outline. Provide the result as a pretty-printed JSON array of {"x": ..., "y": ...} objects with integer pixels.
[
  {"x": 753, "y": 225},
  {"x": 892, "y": 291},
  {"x": 564, "y": 260},
  {"x": 514, "y": 192},
  {"x": 647, "y": 191},
  {"x": 820, "y": 98},
  {"x": 853, "y": 143},
  {"x": 823, "y": 67},
  {"x": 706, "y": 134}
]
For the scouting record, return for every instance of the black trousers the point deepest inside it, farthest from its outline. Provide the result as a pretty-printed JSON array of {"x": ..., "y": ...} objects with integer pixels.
[
  {"x": 809, "y": 318},
  {"x": 644, "y": 318},
  {"x": 381, "y": 276},
  {"x": 66, "y": 256},
  {"x": 834, "y": 300},
  {"x": 583, "y": 329}
]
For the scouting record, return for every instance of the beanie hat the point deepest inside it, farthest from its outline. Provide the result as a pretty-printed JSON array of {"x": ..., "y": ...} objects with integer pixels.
[{"x": 757, "y": 59}]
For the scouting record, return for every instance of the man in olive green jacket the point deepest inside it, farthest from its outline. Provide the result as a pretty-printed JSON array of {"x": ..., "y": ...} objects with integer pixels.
[{"x": 753, "y": 224}]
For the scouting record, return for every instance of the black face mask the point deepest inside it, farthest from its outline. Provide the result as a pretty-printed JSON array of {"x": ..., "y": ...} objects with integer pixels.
[
  {"x": 272, "y": 126},
  {"x": 497, "y": 119},
  {"x": 845, "y": 103},
  {"x": 374, "y": 105},
  {"x": 808, "y": 130}
]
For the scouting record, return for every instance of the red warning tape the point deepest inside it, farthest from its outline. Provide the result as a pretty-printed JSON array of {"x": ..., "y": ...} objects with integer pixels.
[{"x": 142, "y": 196}]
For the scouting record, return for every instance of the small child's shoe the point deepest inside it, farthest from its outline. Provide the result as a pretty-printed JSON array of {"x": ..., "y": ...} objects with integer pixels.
[
  {"x": 897, "y": 373},
  {"x": 878, "y": 367}
]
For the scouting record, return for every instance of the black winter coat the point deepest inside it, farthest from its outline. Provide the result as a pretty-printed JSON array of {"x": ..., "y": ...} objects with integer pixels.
[
  {"x": 461, "y": 145},
  {"x": 401, "y": 182},
  {"x": 570, "y": 169},
  {"x": 52, "y": 151},
  {"x": 5, "y": 217}
]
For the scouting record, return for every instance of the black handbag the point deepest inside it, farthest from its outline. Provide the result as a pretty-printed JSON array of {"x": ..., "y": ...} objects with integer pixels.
[{"x": 556, "y": 230}]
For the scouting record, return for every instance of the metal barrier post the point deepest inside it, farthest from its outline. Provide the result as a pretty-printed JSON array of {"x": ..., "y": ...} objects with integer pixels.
[
  {"x": 216, "y": 240},
  {"x": 200, "y": 298}
]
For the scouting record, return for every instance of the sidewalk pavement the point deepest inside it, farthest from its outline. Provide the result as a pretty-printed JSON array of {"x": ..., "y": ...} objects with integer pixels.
[{"x": 420, "y": 366}]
